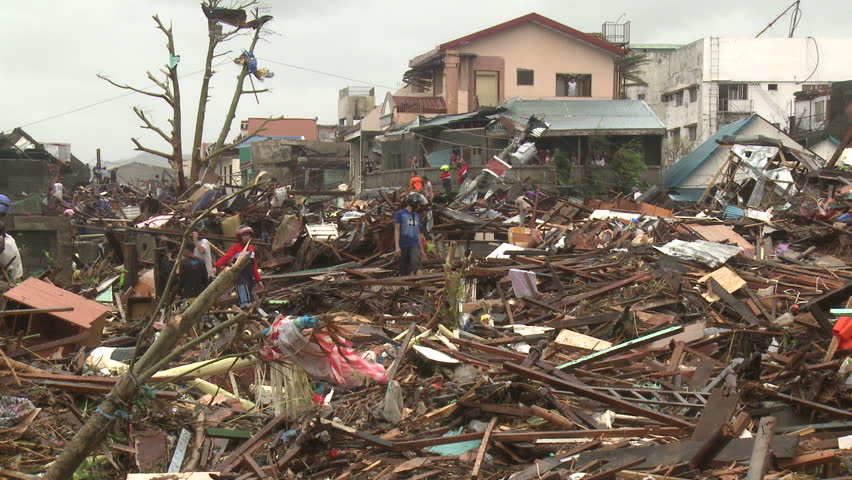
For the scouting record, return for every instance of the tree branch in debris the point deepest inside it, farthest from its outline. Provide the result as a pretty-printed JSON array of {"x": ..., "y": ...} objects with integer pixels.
[
  {"x": 170, "y": 282},
  {"x": 93, "y": 432}
]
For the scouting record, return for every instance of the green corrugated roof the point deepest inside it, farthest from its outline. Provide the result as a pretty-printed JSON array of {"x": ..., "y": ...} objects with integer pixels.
[
  {"x": 586, "y": 115},
  {"x": 684, "y": 167}
]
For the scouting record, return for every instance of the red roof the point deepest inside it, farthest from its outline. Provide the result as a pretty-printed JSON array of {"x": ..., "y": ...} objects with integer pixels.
[
  {"x": 286, "y": 127},
  {"x": 419, "y": 104},
  {"x": 542, "y": 20},
  {"x": 36, "y": 293}
]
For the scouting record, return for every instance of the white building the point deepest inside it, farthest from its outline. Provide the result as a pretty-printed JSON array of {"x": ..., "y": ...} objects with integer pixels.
[{"x": 697, "y": 88}]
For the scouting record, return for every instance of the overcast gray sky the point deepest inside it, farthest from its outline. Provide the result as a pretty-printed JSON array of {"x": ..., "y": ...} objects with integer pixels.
[{"x": 54, "y": 49}]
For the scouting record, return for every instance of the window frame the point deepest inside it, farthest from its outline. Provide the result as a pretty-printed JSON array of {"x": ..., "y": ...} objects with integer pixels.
[{"x": 529, "y": 71}]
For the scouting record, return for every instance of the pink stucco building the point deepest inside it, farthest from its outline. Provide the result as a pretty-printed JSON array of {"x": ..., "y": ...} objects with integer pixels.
[{"x": 530, "y": 57}]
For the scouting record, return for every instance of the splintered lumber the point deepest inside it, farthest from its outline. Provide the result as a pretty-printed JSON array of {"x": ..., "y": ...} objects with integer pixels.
[
  {"x": 807, "y": 403},
  {"x": 483, "y": 447},
  {"x": 743, "y": 311},
  {"x": 622, "y": 347},
  {"x": 616, "y": 403},
  {"x": 762, "y": 448},
  {"x": 712, "y": 446},
  {"x": 250, "y": 445},
  {"x": 600, "y": 291}
]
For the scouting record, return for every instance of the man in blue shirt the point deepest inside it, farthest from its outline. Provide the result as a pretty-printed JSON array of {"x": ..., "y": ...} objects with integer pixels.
[{"x": 406, "y": 234}]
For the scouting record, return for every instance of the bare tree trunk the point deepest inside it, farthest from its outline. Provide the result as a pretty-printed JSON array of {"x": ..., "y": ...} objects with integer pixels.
[
  {"x": 235, "y": 100},
  {"x": 90, "y": 436},
  {"x": 212, "y": 41},
  {"x": 177, "y": 145}
]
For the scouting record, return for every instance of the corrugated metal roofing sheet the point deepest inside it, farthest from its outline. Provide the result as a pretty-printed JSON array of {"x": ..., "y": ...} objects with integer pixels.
[
  {"x": 36, "y": 293},
  {"x": 586, "y": 115},
  {"x": 684, "y": 167},
  {"x": 406, "y": 104}
]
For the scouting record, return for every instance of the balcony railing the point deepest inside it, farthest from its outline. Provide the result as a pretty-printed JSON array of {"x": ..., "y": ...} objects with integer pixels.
[{"x": 809, "y": 123}]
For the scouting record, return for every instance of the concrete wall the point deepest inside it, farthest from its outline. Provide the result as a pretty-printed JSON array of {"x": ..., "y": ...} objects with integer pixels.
[
  {"x": 546, "y": 52},
  {"x": 21, "y": 177},
  {"x": 36, "y": 235},
  {"x": 287, "y": 160},
  {"x": 788, "y": 63}
]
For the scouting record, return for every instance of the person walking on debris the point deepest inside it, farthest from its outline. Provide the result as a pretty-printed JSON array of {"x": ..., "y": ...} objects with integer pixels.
[
  {"x": 192, "y": 274},
  {"x": 407, "y": 239},
  {"x": 524, "y": 206},
  {"x": 415, "y": 184},
  {"x": 10, "y": 258},
  {"x": 446, "y": 179},
  {"x": 428, "y": 191},
  {"x": 249, "y": 275},
  {"x": 462, "y": 170},
  {"x": 202, "y": 251}
]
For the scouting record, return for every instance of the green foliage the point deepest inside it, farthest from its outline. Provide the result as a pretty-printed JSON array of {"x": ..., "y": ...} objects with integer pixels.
[
  {"x": 563, "y": 167},
  {"x": 630, "y": 70},
  {"x": 629, "y": 166}
]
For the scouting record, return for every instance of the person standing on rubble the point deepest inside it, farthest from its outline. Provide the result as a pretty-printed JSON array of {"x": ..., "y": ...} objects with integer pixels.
[
  {"x": 202, "y": 251},
  {"x": 462, "y": 170},
  {"x": 10, "y": 257},
  {"x": 192, "y": 274},
  {"x": 446, "y": 179},
  {"x": 249, "y": 275},
  {"x": 428, "y": 191},
  {"x": 415, "y": 184},
  {"x": 407, "y": 239}
]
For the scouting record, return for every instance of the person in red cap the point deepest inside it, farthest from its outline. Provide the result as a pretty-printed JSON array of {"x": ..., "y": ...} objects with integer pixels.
[{"x": 247, "y": 277}]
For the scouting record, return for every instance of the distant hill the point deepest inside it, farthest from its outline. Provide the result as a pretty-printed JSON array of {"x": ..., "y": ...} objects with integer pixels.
[{"x": 147, "y": 159}]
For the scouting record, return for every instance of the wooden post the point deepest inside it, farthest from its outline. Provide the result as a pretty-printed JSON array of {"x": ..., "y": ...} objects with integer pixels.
[
  {"x": 762, "y": 450},
  {"x": 131, "y": 264}
]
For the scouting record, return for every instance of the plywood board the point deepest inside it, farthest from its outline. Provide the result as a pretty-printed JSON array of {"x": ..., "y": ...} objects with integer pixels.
[
  {"x": 570, "y": 338},
  {"x": 723, "y": 234},
  {"x": 727, "y": 278}
]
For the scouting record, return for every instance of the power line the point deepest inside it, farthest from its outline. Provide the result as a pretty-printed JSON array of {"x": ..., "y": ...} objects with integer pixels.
[
  {"x": 117, "y": 97},
  {"x": 320, "y": 72},
  {"x": 101, "y": 102}
]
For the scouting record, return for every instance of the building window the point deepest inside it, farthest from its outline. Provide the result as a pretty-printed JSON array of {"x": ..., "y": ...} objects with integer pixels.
[
  {"x": 244, "y": 125},
  {"x": 664, "y": 98},
  {"x": 525, "y": 76},
  {"x": 674, "y": 134},
  {"x": 693, "y": 94},
  {"x": 692, "y": 132},
  {"x": 641, "y": 96},
  {"x": 732, "y": 92},
  {"x": 815, "y": 86},
  {"x": 772, "y": 87},
  {"x": 342, "y": 122},
  {"x": 678, "y": 98},
  {"x": 573, "y": 85}
]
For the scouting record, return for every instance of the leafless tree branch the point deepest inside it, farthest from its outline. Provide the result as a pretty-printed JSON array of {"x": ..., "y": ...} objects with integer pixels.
[
  {"x": 150, "y": 126},
  {"x": 128, "y": 87},
  {"x": 141, "y": 148},
  {"x": 231, "y": 145}
]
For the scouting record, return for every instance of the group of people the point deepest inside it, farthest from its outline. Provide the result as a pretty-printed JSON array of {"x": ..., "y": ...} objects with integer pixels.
[
  {"x": 409, "y": 241},
  {"x": 197, "y": 269}
]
